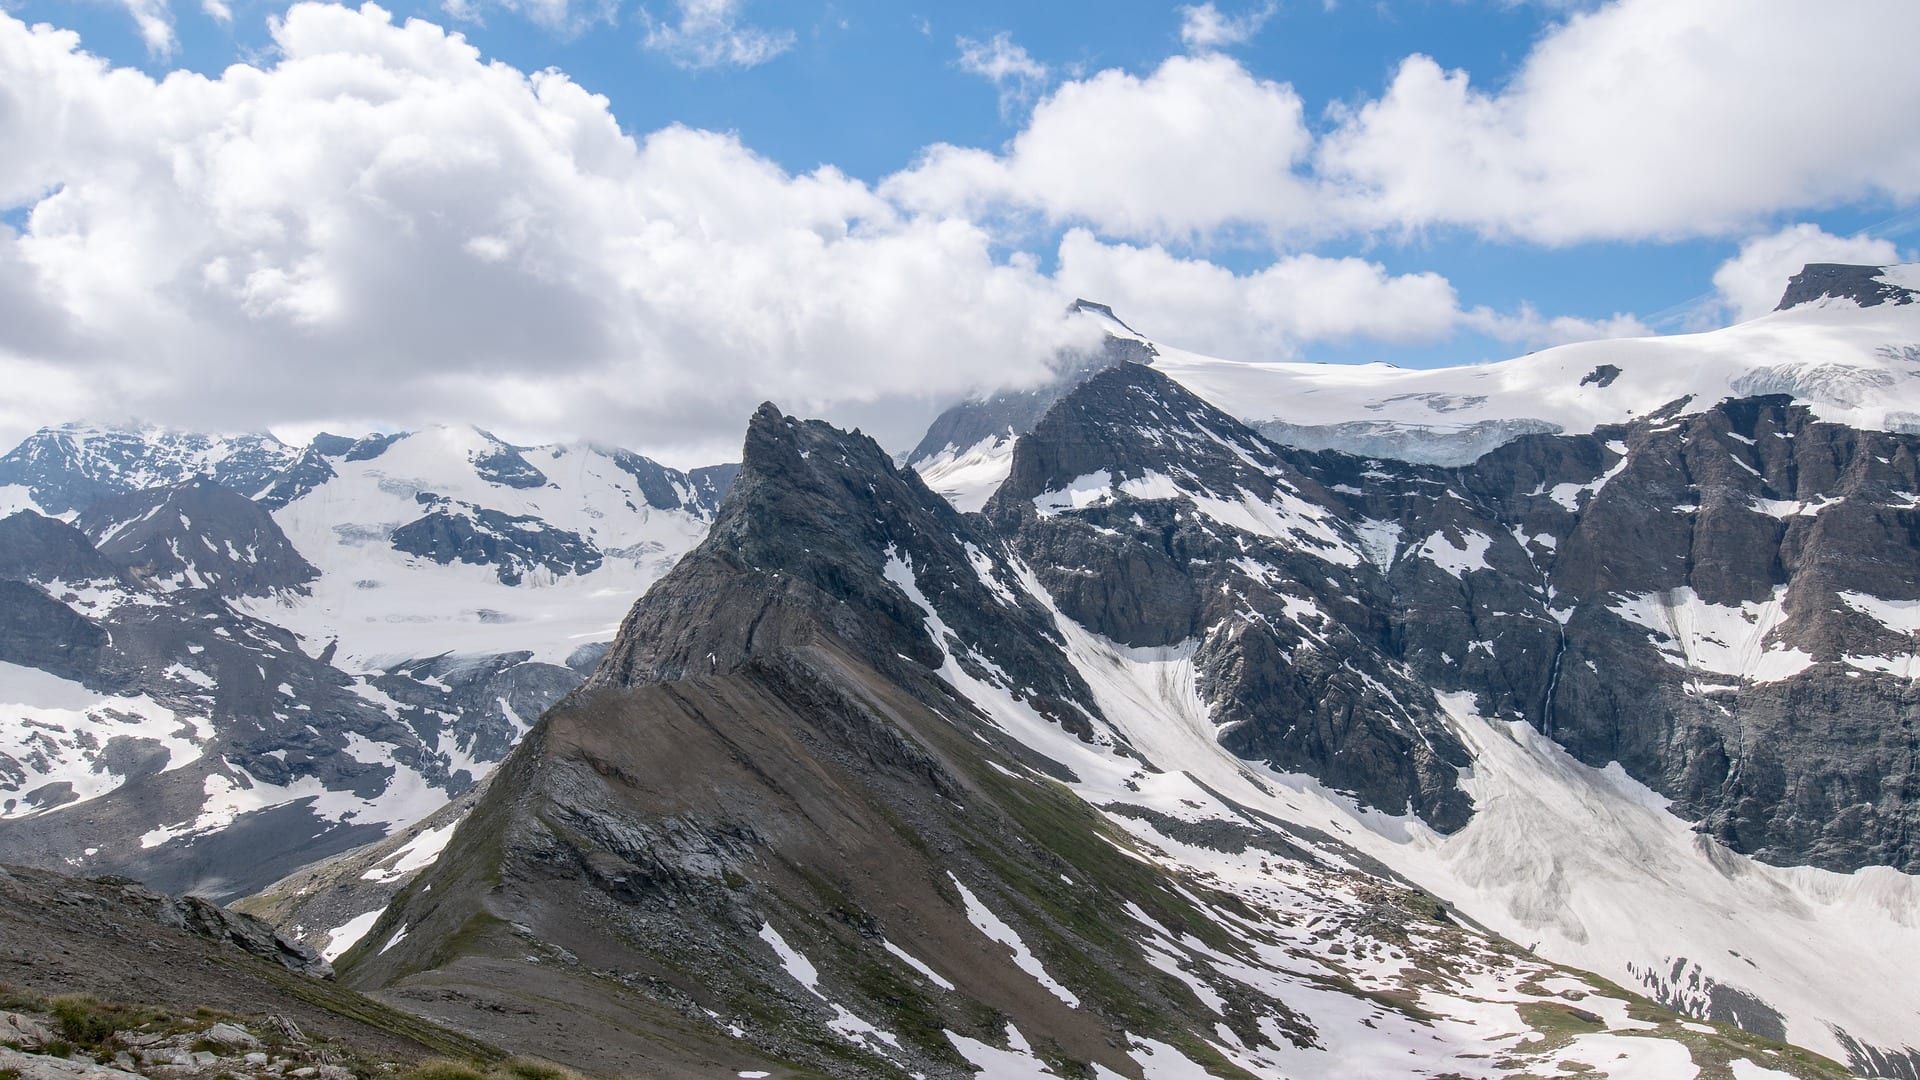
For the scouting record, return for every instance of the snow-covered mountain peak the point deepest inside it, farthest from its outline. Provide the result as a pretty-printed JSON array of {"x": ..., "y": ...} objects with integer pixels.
[
  {"x": 66, "y": 468},
  {"x": 1852, "y": 363}
]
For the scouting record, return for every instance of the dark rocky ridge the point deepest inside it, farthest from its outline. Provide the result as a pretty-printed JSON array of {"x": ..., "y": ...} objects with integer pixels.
[
  {"x": 1861, "y": 284},
  {"x": 123, "y": 942},
  {"x": 758, "y": 584}
]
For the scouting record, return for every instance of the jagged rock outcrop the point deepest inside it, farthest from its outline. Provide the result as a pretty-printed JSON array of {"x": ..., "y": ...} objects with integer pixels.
[{"x": 758, "y": 584}]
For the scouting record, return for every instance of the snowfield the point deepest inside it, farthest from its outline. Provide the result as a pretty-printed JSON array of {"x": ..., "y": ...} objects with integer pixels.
[
  {"x": 1851, "y": 365},
  {"x": 384, "y": 605}
]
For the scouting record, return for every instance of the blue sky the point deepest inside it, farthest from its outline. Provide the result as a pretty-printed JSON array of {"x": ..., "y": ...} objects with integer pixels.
[{"x": 866, "y": 88}]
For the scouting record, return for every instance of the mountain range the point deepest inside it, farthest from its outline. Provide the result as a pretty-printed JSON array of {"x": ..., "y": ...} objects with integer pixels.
[{"x": 1181, "y": 717}]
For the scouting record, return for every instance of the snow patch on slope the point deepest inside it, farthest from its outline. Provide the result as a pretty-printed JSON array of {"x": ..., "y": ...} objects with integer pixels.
[
  {"x": 1720, "y": 639},
  {"x": 54, "y": 732},
  {"x": 968, "y": 478},
  {"x": 996, "y": 929}
]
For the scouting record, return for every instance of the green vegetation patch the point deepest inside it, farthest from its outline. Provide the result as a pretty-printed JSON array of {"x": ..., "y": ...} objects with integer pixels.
[
  {"x": 87, "y": 1023},
  {"x": 517, "y": 1068}
]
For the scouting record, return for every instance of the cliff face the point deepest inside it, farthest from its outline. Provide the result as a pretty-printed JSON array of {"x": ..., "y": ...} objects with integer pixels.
[{"x": 1721, "y": 602}]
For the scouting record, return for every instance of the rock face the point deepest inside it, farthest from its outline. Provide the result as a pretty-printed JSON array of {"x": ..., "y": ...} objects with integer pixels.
[
  {"x": 1864, "y": 285},
  {"x": 1721, "y": 603},
  {"x": 1684, "y": 596},
  {"x": 197, "y": 535},
  {"x": 1156, "y": 520},
  {"x": 513, "y": 544}
]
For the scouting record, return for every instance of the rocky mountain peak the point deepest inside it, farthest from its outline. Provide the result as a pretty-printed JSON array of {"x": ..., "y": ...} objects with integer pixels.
[
  {"x": 44, "y": 549},
  {"x": 1868, "y": 286},
  {"x": 1157, "y": 521},
  {"x": 965, "y": 452},
  {"x": 822, "y": 537},
  {"x": 197, "y": 534}
]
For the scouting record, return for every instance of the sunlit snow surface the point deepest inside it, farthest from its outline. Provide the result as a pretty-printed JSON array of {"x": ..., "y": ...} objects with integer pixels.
[
  {"x": 384, "y": 605},
  {"x": 1584, "y": 866},
  {"x": 1851, "y": 365}
]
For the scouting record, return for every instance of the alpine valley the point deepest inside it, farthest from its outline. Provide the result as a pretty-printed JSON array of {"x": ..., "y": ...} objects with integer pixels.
[{"x": 1178, "y": 718}]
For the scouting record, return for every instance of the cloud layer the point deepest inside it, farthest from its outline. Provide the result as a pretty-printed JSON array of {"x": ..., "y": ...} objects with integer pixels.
[
  {"x": 383, "y": 224},
  {"x": 1643, "y": 119}
]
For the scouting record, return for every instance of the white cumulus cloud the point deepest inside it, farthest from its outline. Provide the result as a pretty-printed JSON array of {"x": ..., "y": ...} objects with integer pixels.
[
  {"x": 1646, "y": 118},
  {"x": 154, "y": 20},
  {"x": 1636, "y": 120},
  {"x": 1195, "y": 146},
  {"x": 381, "y": 222},
  {"x": 1275, "y": 312}
]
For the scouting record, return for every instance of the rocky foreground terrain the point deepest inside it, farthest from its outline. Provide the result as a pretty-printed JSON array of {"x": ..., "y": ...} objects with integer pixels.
[{"x": 102, "y": 978}]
